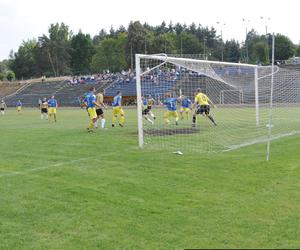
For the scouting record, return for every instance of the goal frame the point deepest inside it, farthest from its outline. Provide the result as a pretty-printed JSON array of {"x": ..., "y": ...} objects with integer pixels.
[{"x": 165, "y": 59}]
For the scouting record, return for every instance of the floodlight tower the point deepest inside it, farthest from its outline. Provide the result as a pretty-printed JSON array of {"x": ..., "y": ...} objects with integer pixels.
[
  {"x": 266, "y": 20},
  {"x": 221, "y": 24},
  {"x": 204, "y": 48},
  {"x": 246, "y": 22}
]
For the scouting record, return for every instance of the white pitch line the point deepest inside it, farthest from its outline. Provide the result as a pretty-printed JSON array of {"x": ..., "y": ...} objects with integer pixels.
[
  {"x": 14, "y": 173},
  {"x": 234, "y": 147}
]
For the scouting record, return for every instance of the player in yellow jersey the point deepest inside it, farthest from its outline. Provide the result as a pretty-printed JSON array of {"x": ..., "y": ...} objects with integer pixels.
[{"x": 202, "y": 105}]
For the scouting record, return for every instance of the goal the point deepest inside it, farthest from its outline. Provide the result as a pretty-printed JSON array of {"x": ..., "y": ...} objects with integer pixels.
[
  {"x": 246, "y": 97},
  {"x": 231, "y": 97}
]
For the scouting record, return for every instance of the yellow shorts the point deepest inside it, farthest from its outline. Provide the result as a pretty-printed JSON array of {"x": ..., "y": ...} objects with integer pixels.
[
  {"x": 118, "y": 111},
  {"x": 92, "y": 113},
  {"x": 19, "y": 108},
  {"x": 169, "y": 114},
  {"x": 52, "y": 110},
  {"x": 185, "y": 110}
]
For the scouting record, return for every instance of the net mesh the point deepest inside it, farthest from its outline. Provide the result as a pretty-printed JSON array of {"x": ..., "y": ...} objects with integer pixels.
[{"x": 240, "y": 92}]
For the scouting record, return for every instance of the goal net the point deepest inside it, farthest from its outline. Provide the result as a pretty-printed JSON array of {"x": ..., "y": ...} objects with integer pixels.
[
  {"x": 241, "y": 94},
  {"x": 231, "y": 96}
]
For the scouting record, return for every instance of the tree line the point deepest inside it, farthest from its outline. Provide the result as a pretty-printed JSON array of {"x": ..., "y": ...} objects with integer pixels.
[{"x": 61, "y": 52}]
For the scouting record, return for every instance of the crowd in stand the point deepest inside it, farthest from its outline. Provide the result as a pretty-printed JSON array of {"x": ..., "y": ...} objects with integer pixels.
[
  {"x": 161, "y": 75},
  {"x": 126, "y": 77},
  {"x": 107, "y": 76}
]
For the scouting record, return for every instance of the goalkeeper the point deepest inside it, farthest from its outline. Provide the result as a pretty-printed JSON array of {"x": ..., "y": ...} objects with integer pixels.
[
  {"x": 202, "y": 105},
  {"x": 147, "y": 112}
]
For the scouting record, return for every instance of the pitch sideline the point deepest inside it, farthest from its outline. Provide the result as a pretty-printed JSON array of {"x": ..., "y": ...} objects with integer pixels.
[{"x": 15, "y": 173}]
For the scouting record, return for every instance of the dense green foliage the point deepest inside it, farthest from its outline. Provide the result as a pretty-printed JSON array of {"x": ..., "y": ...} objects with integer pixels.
[
  {"x": 81, "y": 53},
  {"x": 61, "y": 52},
  {"x": 110, "y": 54},
  {"x": 10, "y": 75},
  {"x": 62, "y": 188},
  {"x": 5, "y": 73}
]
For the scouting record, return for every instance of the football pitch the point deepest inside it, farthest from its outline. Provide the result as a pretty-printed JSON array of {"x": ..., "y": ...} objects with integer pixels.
[{"x": 64, "y": 188}]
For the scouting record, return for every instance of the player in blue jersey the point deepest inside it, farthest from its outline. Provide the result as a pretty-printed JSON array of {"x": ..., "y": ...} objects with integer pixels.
[
  {"x": 19, "y": 106},
  {"x": 117, "y": 110},
  {"x": 91, "y": 103},
  {"x": 185, "y": 107},
  {"x": 52, "y": 106},
  {"x": 171, "y": 105}
]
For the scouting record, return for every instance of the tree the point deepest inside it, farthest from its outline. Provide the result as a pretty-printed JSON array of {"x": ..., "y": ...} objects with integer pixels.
[
  {"x": 137, "y": 40},
  {"x": 179, "y": 28},
  {"x": 260, "y": 53},
  {"x": 165, "y": 43},
  {"x": 112, "y": 32},
  {"x": 110, "y": 54},
  {"x": 120, "y": 30},
  {"x": 100, "y": 37},
  {"x": 4, "y": 65},
  {"x": 284, "y": 48},
  {"x": 24, "y": 64},
  {"x": 232, "y": 51},
  {"x": 61, "y": 53},
  {"x": 10, "y": 75},
  {"x": 2, "y": 76},
  {"x": 82, "y": 50},
  {"x": 189, "y": 43},
  {"x": 298, "y": 50},
  {"x": 56, "y": 47},
  {"x": 161, "y": 29},
  {"x": 170, "y": 27},
  {"x": 258, "y": 48}
]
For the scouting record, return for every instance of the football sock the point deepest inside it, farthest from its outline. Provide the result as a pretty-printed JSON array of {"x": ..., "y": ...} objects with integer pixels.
[{"x": 103, "y": 123}]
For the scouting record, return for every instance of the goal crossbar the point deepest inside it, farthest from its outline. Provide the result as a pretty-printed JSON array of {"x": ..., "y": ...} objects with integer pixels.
[{"x": 176, "y": 60}]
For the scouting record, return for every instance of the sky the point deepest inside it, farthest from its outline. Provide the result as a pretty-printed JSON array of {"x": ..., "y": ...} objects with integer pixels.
[{"x": 26, "y": 19}]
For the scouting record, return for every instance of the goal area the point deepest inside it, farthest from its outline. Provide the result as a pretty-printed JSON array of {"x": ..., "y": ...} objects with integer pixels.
[{"x": 253, "y": 104}]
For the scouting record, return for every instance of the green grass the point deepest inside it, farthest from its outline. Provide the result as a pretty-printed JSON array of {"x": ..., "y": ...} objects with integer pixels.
[
  {"x": 61, "y": 188},
  {"x": 236, "y": 126}
]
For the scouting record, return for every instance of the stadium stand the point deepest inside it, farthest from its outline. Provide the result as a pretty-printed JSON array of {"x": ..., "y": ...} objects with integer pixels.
[
  {"x": 69, "y": 91},
  {"x": 65, "y": 90},
  {"x": 7, "y": 88},
  {"x": 65, "y": 93}
]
